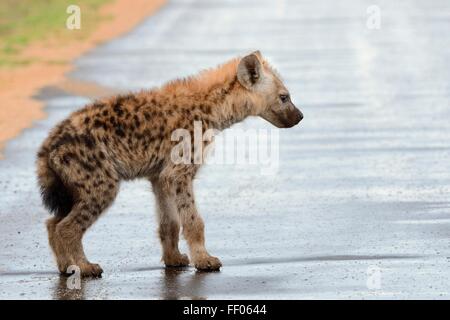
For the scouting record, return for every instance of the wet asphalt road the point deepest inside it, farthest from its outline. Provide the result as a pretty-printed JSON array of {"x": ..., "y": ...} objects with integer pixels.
[{"x": 360, "y": 205}]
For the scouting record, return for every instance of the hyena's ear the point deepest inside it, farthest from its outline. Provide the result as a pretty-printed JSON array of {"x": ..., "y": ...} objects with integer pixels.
[
  {"x": 258, "y": 54},
  {"x": 249, "y": 71}
]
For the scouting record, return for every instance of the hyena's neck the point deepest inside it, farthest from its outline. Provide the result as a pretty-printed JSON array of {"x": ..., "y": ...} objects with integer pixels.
[
  {"x": 215, "y": 95},
  {"x": 229, "y": 105}
]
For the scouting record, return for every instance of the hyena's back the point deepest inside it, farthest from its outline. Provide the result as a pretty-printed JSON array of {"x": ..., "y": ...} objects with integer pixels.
[{"x": 87, "y": 154}]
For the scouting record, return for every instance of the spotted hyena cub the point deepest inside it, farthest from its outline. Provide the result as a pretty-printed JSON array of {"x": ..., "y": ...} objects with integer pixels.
[{"x": 82, "y": 162}]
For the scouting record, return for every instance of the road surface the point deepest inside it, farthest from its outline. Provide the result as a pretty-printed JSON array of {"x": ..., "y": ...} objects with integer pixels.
[{"x": 360, "y": 204}]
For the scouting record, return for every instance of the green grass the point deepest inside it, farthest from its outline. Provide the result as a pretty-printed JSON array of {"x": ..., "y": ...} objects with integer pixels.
[{"x": 23, "y": 22}]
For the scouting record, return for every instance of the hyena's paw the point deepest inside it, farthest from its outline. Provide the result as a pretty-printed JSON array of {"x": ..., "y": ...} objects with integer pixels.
[
  {"x": 91, "y": 270},
  {"x": 208, "y": 263},
  {"x": 179, "y": 260},
  {"x": 63, "y": 267}
]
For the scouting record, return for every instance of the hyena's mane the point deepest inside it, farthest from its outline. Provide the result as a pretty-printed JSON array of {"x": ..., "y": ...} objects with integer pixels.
[{"x": 204, "y": 81}]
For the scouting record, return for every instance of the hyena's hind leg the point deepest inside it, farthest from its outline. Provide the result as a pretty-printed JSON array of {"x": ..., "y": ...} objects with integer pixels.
[
  {"x": 58, "y": 245},
  {"x": 55, "y": 245},
  {"x": 169, "y": 223},
  {"x": 193, "y": 226},
  {"x": 84, "y": 213},
  {"x": 93, "y": 188}
]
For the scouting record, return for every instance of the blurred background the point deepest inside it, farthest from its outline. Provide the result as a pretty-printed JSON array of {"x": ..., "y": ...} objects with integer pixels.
[{"x": 359, "y": 207}]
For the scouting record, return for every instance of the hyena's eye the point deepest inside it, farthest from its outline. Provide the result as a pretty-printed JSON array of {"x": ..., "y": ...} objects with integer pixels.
[{"x": 284, "y": 98}]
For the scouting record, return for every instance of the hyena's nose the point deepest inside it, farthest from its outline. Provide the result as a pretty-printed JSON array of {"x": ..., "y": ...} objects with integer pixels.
[
  {"x": 300, "y": 116},
  {"x": 294, "y": 117}
]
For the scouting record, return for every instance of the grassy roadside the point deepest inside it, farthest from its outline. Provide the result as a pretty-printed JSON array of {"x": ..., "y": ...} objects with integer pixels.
[
  {"x": 23, "y": 22},
  {"x": 37, "y": 50}
]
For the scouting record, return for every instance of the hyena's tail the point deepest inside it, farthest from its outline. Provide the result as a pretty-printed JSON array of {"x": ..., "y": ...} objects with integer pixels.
[{"x": 55, "y": 195}]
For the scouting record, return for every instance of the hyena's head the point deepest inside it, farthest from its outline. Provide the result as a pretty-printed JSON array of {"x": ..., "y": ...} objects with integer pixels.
[{"x": 273, "y": 102}]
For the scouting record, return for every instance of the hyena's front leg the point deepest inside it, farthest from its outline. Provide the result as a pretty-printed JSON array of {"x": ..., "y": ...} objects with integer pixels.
[
  {"x": 169, "y": 224},
  {"x": 193, "y": 227}
]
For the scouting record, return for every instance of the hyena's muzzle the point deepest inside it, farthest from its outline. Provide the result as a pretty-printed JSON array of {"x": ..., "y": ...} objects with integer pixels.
[
  {"x": 285, "y": 117},
  {"x": 290, "y": 116}
]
